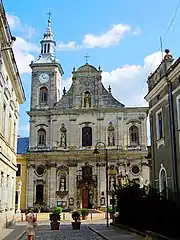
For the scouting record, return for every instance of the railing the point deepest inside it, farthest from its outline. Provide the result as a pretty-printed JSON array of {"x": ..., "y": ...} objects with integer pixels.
[{"x": 81, "y": 178}]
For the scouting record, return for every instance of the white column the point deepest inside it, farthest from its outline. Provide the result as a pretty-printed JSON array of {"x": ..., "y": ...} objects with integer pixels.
[{"x": 19, "y": 196}]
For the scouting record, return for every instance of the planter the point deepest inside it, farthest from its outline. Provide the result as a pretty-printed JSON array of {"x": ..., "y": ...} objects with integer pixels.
[
  {"x": 76, "y": 225},
  {"x": 84, "y": 217},
  {"x": 55, "y": 225}
]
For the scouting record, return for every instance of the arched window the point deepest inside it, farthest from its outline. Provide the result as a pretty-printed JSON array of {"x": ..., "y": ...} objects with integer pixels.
[
  {"x": 45, "y": 48},
  {"x": 43, "y": 95},
  {"x": 163, "y": 184},
  {"x": 134, "y": 136},
  {"x": 111, "y": 135},
  {"x": 48, "y": 48},
  {"x": 42, "y": 136},
  {"x": 86, "y": 136}
]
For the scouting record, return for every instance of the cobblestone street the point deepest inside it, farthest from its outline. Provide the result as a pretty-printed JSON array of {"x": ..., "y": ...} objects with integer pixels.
[{"x": 65, "y": 233}]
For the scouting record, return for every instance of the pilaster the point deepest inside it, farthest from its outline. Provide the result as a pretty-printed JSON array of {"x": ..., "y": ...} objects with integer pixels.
[
  {"x": 30, "y": 186},
  {"x": 72, "y": 182},
  {"x": 52, "y": 186}
]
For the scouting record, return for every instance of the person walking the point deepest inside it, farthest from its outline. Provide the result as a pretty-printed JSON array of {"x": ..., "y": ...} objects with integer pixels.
[{"x": 31, "y": 219}]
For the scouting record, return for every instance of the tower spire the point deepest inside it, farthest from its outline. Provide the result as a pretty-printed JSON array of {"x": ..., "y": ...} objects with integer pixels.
[{"x": 47, "y": 43}]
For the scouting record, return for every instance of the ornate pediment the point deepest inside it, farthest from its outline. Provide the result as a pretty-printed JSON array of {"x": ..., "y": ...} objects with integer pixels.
[
  {"x": 62, "y": 167},
  {"x": 61, "y": 194}
]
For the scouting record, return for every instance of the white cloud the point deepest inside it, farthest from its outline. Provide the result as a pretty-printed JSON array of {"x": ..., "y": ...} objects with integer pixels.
[
  {"x": 15, "y": 25},
  {"x": 107, "y": 39},
  {"x": 14, "y": 22},
  {"x": 23, "y": 48},
  {"x": 70, "y": 46},
  {"x": 23, "y": 54},
  {"x": 128, "y": 83}
]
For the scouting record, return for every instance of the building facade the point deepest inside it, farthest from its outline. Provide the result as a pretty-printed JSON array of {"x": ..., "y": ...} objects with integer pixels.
[
  {"x": 21, "y": 174},
  {"x": 164, "y": 113},
  {"x": 11, "y": 95},
  {"x": 64, "y": 130}
]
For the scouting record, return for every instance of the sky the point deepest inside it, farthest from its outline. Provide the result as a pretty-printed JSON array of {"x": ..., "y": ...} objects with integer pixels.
[{"x": 122, "y": 36}]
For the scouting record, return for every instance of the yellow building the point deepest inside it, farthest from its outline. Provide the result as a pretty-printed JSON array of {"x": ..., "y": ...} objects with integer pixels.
[{"x": 21, "y": 174}]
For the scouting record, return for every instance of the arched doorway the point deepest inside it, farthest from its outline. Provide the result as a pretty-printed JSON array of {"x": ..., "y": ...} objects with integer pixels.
[
  {"x": 87, "y": 198},
  {"x": 39, "y": 193}
]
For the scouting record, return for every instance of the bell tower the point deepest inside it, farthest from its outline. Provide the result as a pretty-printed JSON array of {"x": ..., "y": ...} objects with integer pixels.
[{"x": 46, "y": 74}]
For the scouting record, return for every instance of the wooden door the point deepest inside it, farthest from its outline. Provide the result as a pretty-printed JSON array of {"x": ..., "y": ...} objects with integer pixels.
[{"x": 85, "y": 198}]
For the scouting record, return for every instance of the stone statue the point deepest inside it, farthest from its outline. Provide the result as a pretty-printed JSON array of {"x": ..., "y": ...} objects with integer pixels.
[
  {"x": 19, "y": 185},
  {"x": 111, "y": 138},
  {"x": 87, "y": 100},
  {"x": 112, "y": 183},
  {"x": 167, "y": 55},
  {"x": 62, "y": 187},
  {"x": 63, "y": 131}
]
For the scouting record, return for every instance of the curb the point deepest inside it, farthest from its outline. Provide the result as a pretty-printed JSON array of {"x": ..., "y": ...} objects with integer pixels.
[
  {"x": 20, "y": 235},
  {"x": 130, "y": 230},
  {"x": 98, "y": 233}
]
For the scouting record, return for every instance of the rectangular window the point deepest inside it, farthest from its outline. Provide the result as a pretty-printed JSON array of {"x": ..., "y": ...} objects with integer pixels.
[
  {"x": 10, "y": 128},
  {"x": 4, "y": 120},
  {"x": 18, "y": 173},
  {"x": 159, "y": 124},
  {"x": 178, "y": 111}
]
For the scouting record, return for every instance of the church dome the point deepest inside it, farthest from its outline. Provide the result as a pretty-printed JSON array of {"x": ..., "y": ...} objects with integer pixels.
[{"x": 87, "y": 68}]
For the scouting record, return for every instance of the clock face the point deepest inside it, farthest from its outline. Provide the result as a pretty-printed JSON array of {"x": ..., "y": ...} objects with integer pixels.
[{"x": 44, "y": 77}]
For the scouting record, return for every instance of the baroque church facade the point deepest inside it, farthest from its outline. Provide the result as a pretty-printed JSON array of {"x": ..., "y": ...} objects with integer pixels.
[{"x": 64, "y": 131}]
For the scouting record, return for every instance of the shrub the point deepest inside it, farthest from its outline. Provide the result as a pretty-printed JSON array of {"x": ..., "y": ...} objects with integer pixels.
[
  {"x": 85, "y": 212},
  {"x": 76, "y": 216},
  {"x": 147, "y": 210},
  {"x": 58, "y": 210}
]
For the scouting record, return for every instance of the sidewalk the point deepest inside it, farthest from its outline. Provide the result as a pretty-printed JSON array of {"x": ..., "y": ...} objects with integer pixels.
[
  {"x": 112, "y": 233},
  {"x": 13, "y": 233}
]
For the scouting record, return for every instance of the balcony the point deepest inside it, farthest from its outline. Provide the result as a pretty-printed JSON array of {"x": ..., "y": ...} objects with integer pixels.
[{"x": 86, "y": 180}]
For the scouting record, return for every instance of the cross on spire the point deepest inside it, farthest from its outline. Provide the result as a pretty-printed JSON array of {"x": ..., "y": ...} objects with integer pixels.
[
  {"x": 49, "y": 13},
  {"x": 86, "y": 57}
]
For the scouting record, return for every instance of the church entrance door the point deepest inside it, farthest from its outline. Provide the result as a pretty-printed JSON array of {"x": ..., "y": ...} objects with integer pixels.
[
  {"x": 85, "y": 198},
  {"x": 39, "y": 193}
]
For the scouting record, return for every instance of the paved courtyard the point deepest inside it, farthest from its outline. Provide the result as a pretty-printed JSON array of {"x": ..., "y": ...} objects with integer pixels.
[
  {"x": 43, "y": 232},
  {"x": 65, "y": 233}
]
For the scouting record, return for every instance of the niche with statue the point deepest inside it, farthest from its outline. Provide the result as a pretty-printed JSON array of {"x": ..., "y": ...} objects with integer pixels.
[{"x": 62, "y": 181}]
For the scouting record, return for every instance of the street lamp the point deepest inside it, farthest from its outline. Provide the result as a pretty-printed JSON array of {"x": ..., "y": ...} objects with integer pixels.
[{"x": 96, "y": 151}]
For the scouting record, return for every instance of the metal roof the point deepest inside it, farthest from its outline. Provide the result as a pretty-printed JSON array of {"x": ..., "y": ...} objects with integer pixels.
[{"x": 22, "y": 145}]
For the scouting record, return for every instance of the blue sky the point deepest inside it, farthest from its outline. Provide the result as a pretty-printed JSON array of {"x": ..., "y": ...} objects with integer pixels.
[{"x": 122, "y": 36}]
